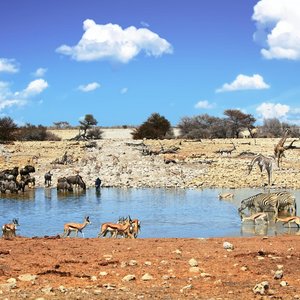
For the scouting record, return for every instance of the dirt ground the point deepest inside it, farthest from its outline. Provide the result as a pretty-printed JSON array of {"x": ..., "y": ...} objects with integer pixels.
[{"x": 76, "y": 268}]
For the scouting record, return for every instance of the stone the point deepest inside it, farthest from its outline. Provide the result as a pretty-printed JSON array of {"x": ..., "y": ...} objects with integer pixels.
[
  {"x": 103, "y": 273},
  {"x": 261, "y": 288},
  {"x": 132, "y": 262},
  {"x": 193, "y": 262},
  {"x": 27, "y": 277},
  {"x": 283, "y": 283},
  {"x": 128, "y": 277},
  {"x": 194, "y": 270},
  {"x": 278, "y": 274},
  {"x": 147, "y": 277},
  {"x": 228, "y": 246},
  {"x": 185, "y": 288}
]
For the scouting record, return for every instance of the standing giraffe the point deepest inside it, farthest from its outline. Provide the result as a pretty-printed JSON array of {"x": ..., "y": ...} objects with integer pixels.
[
  {"x": 264, "y": 163},
  {"x": 279, "y": 148}
]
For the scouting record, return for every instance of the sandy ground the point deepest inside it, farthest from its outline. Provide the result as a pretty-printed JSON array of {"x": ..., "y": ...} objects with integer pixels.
[{"x": 76, "y": 268}]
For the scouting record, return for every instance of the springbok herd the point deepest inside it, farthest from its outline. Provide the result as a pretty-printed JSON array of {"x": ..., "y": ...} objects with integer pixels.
[{"x": 124, "y": 227}]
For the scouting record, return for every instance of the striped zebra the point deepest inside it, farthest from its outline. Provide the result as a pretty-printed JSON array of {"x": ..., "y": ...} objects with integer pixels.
[
  {"x": 286, "y": 201},
  {"x": 264, "y": 202}
]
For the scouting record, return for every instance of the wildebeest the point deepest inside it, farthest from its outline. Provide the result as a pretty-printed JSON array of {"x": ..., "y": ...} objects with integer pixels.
[
  {"x": 28, "y": 179},
  {"x": 26, "y": 170},
  {"x": 64, "y": 186},
  {"x": 48, "y": 178},
  {"x": 9, "y": 174},
  {"x": 77, "y": 179},
  {"x": 8, "y": 185}
]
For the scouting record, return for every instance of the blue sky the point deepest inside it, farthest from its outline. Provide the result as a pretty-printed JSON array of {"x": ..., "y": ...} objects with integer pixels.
[{"x": 123, "y": 60}]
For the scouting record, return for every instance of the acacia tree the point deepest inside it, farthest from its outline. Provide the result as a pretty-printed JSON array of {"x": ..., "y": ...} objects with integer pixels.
[
  {"x": 8, "y": 129},
  {"x": 87, "y": 123},
  {"x": 202, "y": 126},
  {"x": 156, "y": 127},
  {"x": 237, "y": 121}
]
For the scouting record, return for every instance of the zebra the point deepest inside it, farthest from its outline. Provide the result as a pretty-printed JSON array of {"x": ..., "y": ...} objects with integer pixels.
[
  {"x": 275, "y": 201},
  {"x": 286, "y": 201},
  {"x": 261, "y": 202}
]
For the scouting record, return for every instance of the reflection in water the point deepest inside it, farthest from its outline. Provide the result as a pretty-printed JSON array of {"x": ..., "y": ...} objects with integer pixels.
[
  {"x": 162, "y": 212},
  {"x": 69, "y": 195}
]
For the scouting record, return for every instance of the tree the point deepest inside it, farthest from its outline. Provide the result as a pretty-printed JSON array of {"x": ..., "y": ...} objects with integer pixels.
[
  {"x": 271, "y": 128},
  {"x": 8, "y": 129},
  {"x": 87, "y": 123},
  {"x": 31, "y": 132},
  {"x": 61, "y": 125},
  {"x": 202, "y": 126},
  {"x": 156, "y": 127},
  {"x": 237, "y": 121}
]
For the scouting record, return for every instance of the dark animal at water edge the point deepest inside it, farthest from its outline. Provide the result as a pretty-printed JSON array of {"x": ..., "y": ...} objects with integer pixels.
[
  {"x": 8, "y": 185},
  {"x": 64, "y": 186},
  {"x": 97, "y": 183},
  {"x": 9, "y": 174},
  {"x": 26, "y": 170},
  {"x": 48, "y": 178},
  {"x": 77, "y": 180}
]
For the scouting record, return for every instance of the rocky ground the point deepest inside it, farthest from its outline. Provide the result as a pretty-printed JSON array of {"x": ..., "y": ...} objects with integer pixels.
[
  {"x": 222, "y": 268},
  {"x": 123, "y": 162},
  {"x": 76, "y": 268}
]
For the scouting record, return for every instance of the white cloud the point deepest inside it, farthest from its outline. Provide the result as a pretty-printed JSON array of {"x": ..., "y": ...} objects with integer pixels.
[
  {"x": 278, "y": 21},
  {"x": 40, "y": 72},
  {"x": 112, "y": 42},
  {"x": 89, "y": 87},
  {"x": 268, "y": 110},
  {"x": 8, "y": 65},
  {"x": 35, "y": 87},
  {"x": 204, "y": 104},
  {"x": 9, "y": 98},
  {"x": 244, "y": 82},
  {"x": 124, "y": 90}
]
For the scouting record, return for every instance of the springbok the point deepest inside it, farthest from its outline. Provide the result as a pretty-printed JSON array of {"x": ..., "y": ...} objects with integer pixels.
[
  {"x": 289, "y": 220},
  {"x": 226, "y": 196},
  {"x": 9, "y": 230},
  {"x": 116, "y": 229},
  {"x": 69, "y": 227},
  {"x": 262, "y": 216},
  {"x": 136, "y": 227}
]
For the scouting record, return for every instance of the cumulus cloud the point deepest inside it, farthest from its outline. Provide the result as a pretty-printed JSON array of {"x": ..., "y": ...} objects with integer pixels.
[
  {"x": 268, "y": 110},
  {"x": 8, "y": 65},
  {"x": 40, "y": 72},
  {"x": 112, "y": 42},
  {"x": 278, "y": 22},
  {"x": 244, "y": 82},
  {"x": 124, "y": 90},
  {"x": 9, "y": 98},
  {"x": 204, "y": 104},
  {"x": 89, "y": 87}
]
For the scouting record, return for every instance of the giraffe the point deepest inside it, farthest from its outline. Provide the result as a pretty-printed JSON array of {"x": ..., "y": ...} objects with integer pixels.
[
  {"x": 264, "y": 163},
  {"x": 279, "y": 148}
]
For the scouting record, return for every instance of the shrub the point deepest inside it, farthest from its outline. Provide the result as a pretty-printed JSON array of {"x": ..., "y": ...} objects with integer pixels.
[
  {"x": 8, "y": 129},
  {"x": 31, "y": 132},
  {"x": 156, "y": 127}
]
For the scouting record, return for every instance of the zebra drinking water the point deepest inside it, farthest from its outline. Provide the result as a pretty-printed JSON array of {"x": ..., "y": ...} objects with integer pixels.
[{"x": 269, "y": 202}]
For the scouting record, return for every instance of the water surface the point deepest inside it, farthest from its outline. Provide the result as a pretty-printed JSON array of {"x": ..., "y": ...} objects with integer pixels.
[{"x": 163, "y": 212}]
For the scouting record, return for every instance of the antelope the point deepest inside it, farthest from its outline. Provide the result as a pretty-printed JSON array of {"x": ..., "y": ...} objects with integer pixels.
[
  {"x": 116, "y": 228},
  {"x": 136, "y": 227},
  {"x": 10, "y": 229},
  {"x": 289, "y": 220},
  {"x": 256, "y": 217},
  {"x": 226, "y": 196},
  {"x": 69, "y": 227}
]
